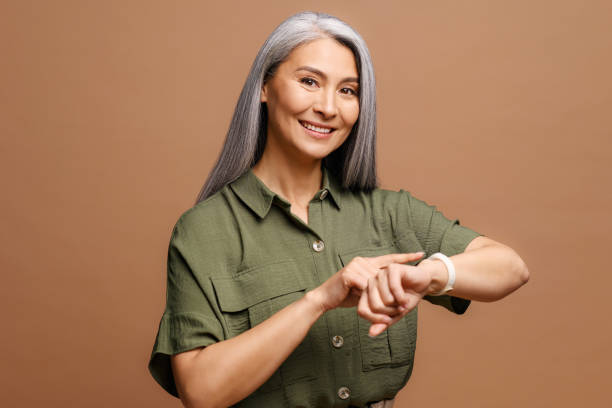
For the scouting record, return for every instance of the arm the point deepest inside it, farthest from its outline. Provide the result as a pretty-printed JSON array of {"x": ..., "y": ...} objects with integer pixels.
[
  {"x": 228, "y": 371},
  {"x": 486, "y": 271}
]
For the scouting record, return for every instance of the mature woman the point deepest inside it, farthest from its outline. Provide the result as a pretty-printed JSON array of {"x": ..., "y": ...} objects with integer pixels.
[{"x": 294, "y": 280}]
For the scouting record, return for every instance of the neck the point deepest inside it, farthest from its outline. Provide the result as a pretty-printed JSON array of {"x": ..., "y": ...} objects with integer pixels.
[{"x": 297, "y": 182}]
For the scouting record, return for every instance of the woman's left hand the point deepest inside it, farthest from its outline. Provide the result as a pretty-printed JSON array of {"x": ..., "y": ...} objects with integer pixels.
[{"x": 394, "y": 291}]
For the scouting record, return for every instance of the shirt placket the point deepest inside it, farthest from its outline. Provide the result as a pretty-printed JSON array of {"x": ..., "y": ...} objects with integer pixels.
[{"x": 338, "y": 322}]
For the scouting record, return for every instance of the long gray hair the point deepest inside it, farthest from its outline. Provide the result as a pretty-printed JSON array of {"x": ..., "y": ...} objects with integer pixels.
[{"x": 354, "y": 162}]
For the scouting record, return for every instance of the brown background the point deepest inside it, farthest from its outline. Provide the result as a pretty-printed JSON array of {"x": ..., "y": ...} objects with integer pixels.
[{"x": 112, "y": 113}]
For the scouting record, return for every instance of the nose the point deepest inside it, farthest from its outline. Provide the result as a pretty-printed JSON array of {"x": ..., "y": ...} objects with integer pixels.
[{"x": 325, "y": 103}]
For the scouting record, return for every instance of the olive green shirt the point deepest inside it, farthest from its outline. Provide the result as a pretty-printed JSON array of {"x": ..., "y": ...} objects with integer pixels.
[{"x": 240, "y": 256}]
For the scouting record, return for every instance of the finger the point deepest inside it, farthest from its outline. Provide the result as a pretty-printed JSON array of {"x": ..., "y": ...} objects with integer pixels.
[
  {"x": 395, "y": 285},
  {"x": 354, "y": 279},
  {"x": 366, "y": 268},
  {"x": 375, "y": 302},
  {"x": 384, "y": 260},
  {"x": 412, "y": 300},
  {"x": 377, "y": 328},
  {"x": 410, "y": 303},
  {"x": 383, "y": 288},
  {"x": 363, "y": 309}
]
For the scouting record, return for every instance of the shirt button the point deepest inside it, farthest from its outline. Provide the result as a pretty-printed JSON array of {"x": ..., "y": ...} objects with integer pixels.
[
  {"x": 318, "y": 246},
  {"x": 323, "y": 195},
  {"x": 344, "y": 393},
  {"x": 337, "y": 341}
]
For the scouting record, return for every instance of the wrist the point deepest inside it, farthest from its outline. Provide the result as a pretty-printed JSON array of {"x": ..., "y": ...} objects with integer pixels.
[
  {"x": 438, "y": 274},
  {"x": 315, "y": 302}
]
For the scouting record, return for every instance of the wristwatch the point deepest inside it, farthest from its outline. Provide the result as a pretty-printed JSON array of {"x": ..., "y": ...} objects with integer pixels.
[{"x": 451, "y": 272}]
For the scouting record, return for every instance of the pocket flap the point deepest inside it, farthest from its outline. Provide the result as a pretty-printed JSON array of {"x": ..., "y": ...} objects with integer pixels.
[{"x": 256, "y": 285}]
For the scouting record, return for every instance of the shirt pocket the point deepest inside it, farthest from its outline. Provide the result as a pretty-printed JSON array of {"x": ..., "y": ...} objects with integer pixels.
[
  {"x": 396, "y": 345},
  {"x": 253, "y": 296}
]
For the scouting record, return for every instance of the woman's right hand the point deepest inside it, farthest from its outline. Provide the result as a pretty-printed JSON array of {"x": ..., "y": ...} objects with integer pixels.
[{"x": 344, "y": 288}]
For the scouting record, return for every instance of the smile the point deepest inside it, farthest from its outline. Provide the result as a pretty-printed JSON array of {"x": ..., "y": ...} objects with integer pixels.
[{"x": 317, "y": 129}]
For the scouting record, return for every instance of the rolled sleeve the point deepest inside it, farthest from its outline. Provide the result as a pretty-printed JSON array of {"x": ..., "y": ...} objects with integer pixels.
[
  {"x": 437, "y": 233},
  {"x": 188, "y": 322}
]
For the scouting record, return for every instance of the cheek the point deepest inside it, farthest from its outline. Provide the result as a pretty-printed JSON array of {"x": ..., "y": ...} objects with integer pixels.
[
  {"x": 350, "y": 113},
  {"x": 293, "y": 100}
]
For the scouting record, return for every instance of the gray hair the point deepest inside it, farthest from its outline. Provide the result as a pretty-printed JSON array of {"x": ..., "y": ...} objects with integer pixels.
[{"x": 354, "y": 162}]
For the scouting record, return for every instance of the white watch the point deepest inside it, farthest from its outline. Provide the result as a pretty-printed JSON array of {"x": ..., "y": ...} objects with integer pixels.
[{"x": 451, "y": 272}]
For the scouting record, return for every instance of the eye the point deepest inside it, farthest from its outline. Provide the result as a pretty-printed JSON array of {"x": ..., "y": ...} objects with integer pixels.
[
  {"x": 348, "y": 91},
  {"x": 308, "y": 81}
]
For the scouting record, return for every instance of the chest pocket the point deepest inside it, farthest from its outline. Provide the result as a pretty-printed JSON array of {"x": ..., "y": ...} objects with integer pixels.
[
  {"x": 396, "y": 345},
  {"x": 254, "y": 295}
]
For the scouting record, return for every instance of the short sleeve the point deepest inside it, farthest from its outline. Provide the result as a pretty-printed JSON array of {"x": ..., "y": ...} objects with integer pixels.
[
  {"x": 437, "y": 233},
  {"x": 188, "y": 321}
]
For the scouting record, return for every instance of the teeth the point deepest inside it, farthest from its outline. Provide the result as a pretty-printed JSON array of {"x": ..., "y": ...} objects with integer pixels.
[{"x": 315, "y": 128}]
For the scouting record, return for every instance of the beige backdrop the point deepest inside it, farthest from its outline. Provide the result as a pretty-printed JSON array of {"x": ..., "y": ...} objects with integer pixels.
[{"x": 112, "y": 113}]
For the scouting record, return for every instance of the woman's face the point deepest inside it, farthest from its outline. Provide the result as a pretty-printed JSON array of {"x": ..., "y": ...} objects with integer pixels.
[{"x": 312, "y": 100}]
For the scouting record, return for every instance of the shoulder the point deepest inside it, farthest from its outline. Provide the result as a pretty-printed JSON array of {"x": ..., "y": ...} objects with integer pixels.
[
  {"x": 207, "y": 235},
  {"x": 208, "y": 222},
  {"x": 379, "y": 199},
  {"x": 205, "y": 211}
]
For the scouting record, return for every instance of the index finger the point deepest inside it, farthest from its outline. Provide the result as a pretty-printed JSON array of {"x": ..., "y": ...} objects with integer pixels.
[{"x": 385, "y": 260}]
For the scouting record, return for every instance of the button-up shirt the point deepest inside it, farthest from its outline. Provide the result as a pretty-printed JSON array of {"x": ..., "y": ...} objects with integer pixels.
[{"x": 241, "y": 255}]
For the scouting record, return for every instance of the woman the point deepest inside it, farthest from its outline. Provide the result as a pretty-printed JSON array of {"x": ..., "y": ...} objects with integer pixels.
[{"x": 294, "y": 280}]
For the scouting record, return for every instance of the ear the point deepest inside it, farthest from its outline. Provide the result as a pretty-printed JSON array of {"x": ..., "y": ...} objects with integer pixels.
[{"x": 264, "y": 93}]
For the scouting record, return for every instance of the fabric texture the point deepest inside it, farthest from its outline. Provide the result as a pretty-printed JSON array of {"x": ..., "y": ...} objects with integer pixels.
[{"x": 240, "y": 256}]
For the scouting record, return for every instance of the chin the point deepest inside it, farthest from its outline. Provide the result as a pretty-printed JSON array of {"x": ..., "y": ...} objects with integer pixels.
[{"x": 315, "y": 152}]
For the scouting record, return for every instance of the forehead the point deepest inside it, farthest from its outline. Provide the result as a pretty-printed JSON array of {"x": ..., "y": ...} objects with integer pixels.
[{"x": 325, "y": 54}]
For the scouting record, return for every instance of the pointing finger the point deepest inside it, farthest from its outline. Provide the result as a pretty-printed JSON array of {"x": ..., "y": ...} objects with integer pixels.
[{"x": 385, "y": 260}]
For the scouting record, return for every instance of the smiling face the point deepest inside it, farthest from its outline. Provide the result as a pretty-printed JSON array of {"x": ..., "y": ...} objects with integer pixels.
[{"x": 312, "y": 101}]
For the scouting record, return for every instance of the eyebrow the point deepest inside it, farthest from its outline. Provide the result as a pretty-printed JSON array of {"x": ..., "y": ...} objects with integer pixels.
[{"x": 320, "y": 73}]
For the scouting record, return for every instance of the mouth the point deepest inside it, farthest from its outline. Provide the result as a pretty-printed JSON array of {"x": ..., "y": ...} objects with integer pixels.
[{"x": 317, "y": 130}]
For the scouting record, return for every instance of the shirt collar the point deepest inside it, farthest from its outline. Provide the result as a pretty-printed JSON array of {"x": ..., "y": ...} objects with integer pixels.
[{"x": 259, "y": 198}]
